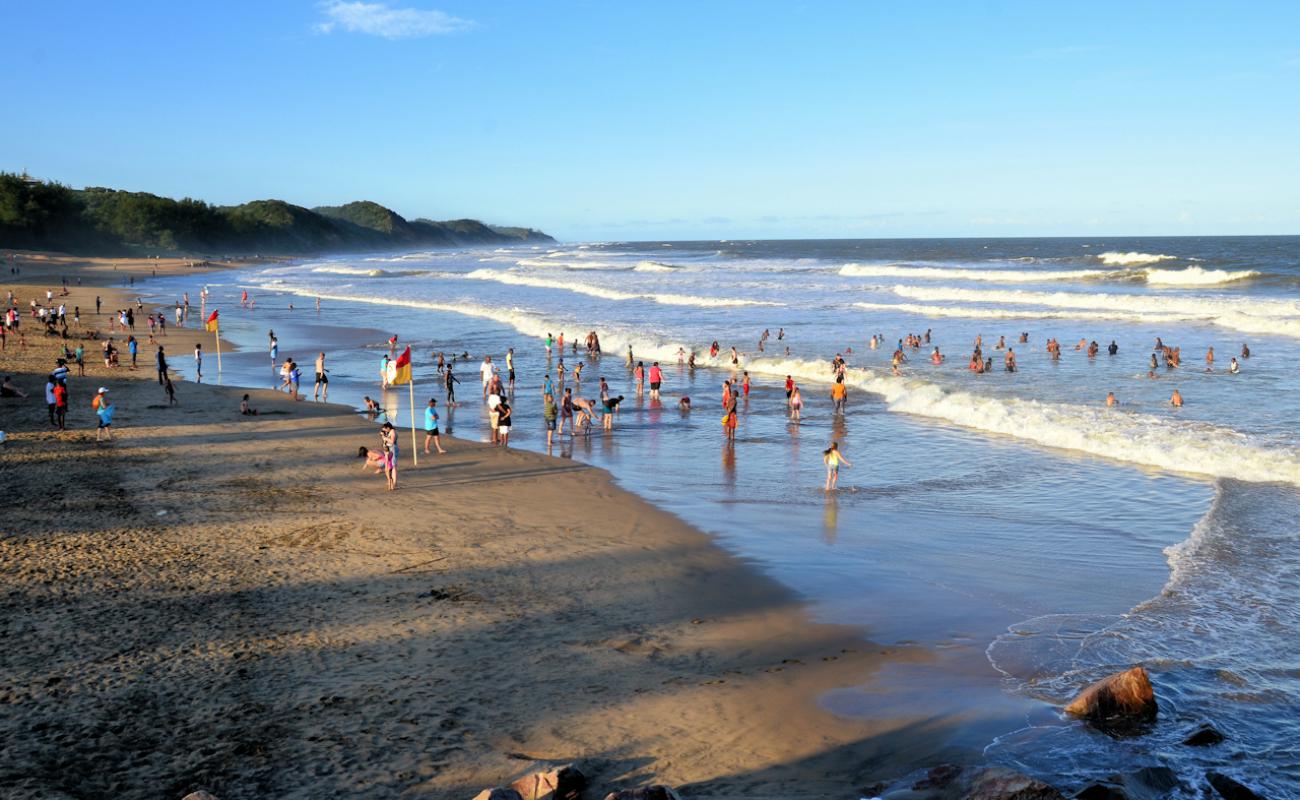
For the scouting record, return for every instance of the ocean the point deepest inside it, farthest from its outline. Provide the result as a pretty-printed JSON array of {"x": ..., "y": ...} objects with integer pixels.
[{"x": 1025, "y": 536}]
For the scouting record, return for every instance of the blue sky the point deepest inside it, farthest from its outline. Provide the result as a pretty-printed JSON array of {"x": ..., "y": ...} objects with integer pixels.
[{"x": 620, "y": 120}]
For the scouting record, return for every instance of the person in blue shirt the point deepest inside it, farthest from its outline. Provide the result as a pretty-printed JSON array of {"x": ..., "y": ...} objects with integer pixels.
[
  {"x": 105, "y": 413},
  {"x": 431, "y": 420}
]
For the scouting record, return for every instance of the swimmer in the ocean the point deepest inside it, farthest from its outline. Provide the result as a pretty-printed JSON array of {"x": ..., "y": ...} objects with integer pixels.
[{"x": 1176, "y": 399}]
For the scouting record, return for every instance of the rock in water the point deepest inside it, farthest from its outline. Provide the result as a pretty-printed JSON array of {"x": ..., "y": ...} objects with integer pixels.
[
  {"x": 656, "y": 792},
  {"x": 950, "y": 782},
  {"x": 561, "y": 783},
  {"x": 999, "y": 783},
  {"x": 1204, "y": 737},
  {"x": 1229, "y": 789},
  {"x": 1125, "y": 697},
  {"x": 498, "y": 793},
  {"x": 199, "y": 795}
]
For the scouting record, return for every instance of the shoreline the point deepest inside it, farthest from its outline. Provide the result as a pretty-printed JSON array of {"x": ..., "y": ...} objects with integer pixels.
[{"x": 650, "y": 655}]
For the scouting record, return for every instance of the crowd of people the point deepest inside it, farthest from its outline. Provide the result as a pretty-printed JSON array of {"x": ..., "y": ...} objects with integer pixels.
[{"x": 564, "y": 408}]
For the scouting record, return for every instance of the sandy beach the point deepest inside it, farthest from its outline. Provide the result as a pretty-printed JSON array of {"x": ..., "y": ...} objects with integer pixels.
[{"x": 231, "y": 603}]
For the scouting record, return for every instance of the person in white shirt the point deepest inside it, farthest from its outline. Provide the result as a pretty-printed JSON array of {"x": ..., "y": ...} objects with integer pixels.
[{"x": 486, "y": 371}]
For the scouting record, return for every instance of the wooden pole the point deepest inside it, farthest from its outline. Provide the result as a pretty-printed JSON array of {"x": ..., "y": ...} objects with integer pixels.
[{"x": 415, "y": 450}]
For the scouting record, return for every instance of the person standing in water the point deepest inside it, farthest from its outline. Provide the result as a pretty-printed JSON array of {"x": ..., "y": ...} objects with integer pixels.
[
  {"x": 449, "y": 382},
  {"x": 833, "y": 458},
  {"x": 323, "y": 383},
  {"x": 550, "y": 413},
  {"x": 656, "y": 380}
]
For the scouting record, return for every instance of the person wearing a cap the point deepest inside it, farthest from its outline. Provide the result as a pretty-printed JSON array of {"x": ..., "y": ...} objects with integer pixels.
[{"x": 105, "y": 412}]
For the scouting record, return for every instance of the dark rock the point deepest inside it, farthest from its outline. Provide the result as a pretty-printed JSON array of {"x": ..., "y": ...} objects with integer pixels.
[
  {"x": 656, "y": 792},
  {"x": 1101, "y": 791},
  {"x": 560, "y": 783},
  {"x": 1151, "y": 783},
  {"x": 1204, "y": 737},
  {"x": 199, "y": 795},
  {"x": 999, "y": 783},
  {"x": 1229, "y": 789},
  {"x": 948, "y": 782},
  {"x": 1118, "y": 701},
  {"x": 498, "y": 793},
  {"x": 938, "y": 777}
]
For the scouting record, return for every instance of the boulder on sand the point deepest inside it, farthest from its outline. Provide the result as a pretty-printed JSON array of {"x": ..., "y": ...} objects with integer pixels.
[
  {"x": 199, "y": 795},
  {"x": 499, "y": 793},
  {"x": 1125, "y": 697},
  {"x": 560, "y": 783}
]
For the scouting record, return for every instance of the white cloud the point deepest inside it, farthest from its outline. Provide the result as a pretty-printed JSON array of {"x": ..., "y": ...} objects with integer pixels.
[{"x": 380, "y": 19}]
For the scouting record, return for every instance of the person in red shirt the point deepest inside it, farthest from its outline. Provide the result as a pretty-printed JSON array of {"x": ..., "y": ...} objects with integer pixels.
[
  {"x": 656, "y": 380},
  {"x": 61, "y": 404}
]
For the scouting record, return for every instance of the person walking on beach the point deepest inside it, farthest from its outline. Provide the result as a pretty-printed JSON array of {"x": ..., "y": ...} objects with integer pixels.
[
  {"x": 510, "y": 369},
  {"x": 323, "y": 383},
  {"x": 839, "y": 394},
  {"x": 132, "y": 347},
  {"x": 833, "y": 458},
  {"x": 161, "y": 361},
  {"x": 61, "y": 404},
  {"x": 796, "y": 403},
  {"x": 431, "y": 427},
  {"x": 104, "y": 410},
  {"x": 275, "y": 348},
  {"x": 198, "y": 363}
]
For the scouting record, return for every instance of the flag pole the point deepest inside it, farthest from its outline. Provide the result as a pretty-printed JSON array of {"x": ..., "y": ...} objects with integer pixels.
[
  {"x": 415, "y": 450},
  {"x": 216, "y": 330}
]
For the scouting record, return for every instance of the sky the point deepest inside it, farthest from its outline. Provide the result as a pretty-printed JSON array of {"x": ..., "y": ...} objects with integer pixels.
[{"x": 603, "y": 121}]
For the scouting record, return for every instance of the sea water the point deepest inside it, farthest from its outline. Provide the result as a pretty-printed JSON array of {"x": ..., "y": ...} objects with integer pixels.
[{"x": 1026, "y": 536}]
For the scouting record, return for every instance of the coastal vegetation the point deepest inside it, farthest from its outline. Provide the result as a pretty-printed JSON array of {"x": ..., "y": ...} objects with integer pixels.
[{"x": 42, "y": 215}]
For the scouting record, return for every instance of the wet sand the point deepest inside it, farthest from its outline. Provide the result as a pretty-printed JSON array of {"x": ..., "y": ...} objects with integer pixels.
[{"x": 230, "y": 603}]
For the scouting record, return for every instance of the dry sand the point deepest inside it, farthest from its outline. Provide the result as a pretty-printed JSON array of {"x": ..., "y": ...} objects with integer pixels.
[{"x": 230, "y": 603}]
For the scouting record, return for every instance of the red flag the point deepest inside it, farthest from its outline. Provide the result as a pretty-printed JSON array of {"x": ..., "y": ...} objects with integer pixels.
[
  {"x": 212, "y": 321},
  {"x": 400, "y": 371}
]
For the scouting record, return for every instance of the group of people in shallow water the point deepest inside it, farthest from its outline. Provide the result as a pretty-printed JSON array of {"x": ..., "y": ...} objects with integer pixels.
[{"x": 564, "y": 409}]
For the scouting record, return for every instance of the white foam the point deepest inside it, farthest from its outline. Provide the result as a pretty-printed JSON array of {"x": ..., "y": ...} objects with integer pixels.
[
  {"x": 654, "y": 266},
  {"x": 583, "y": 287},
  {"x": 1280, "y": 317},
  {"x": 1197, "y": 276},
  {"x": 972, "y": 312},
  {"x": 340, "y": 269},
  {"x": 992, "y": 275},
  {"x": 1117, "y": 259}
]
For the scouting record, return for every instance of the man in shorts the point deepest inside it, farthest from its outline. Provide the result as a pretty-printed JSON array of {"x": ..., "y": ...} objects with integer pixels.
[
  {"x": 431, "y": 427},
  {"x": 323, "y": 382}
]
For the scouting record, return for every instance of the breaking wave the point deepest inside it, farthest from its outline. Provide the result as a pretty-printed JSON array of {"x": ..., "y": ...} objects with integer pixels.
[
  {"x": 1250, "y": 316},
  {"x": 993, "y": 275},
  {"x": 1116, "y": 259},
  {"x": 1197, "y": 276},
  {"x": 582, "y": 287}
]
